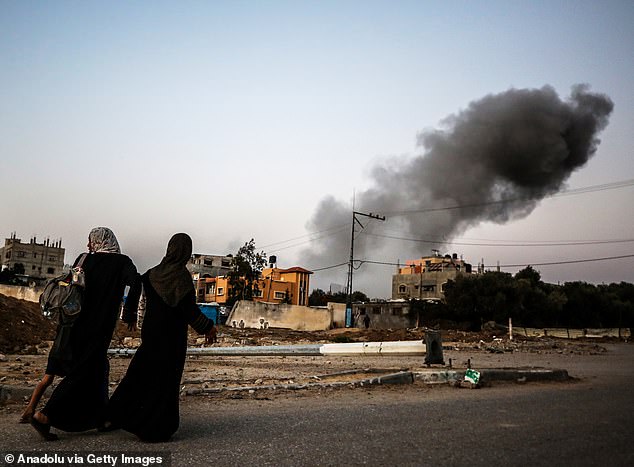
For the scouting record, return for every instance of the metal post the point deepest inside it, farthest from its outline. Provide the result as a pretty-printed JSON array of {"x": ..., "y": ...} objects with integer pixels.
[{"x": 349, "y": 290}]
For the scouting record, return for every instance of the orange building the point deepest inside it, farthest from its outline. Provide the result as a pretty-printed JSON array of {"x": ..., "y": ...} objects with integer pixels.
[{"x": 275, "y": 286}]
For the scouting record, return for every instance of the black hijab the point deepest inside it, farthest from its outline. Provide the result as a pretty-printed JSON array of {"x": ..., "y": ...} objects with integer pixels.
[{"x": 170, "y": 278}]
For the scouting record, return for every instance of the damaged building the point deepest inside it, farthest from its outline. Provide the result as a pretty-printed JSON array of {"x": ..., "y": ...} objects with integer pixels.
[
  {"x": 33, "y": 261},
  {"x": 425, "y": 278}
]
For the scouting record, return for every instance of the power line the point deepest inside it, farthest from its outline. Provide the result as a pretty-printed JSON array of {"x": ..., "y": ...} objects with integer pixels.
[
  {"x": 528, "y": 244},
  {"x": 575, "y": 191},
  {"x": 334, "y": 230},
  {"x": 329, "y": 267},
  {"x": 554, "y": 263},
  {"x": 505, "y": 266}
]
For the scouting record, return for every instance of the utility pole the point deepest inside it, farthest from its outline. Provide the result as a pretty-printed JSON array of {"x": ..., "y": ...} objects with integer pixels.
[{"x": 349, "y": 290}]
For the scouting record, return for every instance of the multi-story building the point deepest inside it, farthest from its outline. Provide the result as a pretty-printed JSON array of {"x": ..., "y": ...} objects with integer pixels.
[
  {"x": 275, "y": 286},
  {"x": 203, "y": 266},
  {"x": 426, "y": 277},
  {"x": 33, "y": 260}
]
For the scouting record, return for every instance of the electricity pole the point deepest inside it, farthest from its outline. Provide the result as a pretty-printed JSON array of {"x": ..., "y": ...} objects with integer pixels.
[{"x": 349, "y": 291}]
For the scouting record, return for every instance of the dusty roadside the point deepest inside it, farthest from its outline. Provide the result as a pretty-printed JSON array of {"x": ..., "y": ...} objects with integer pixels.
[
  {"x": 221, "y": 376},
  {"x": 26, "y": 338}
]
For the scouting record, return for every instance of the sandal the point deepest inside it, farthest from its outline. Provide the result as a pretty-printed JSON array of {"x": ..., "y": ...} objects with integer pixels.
[
  {"x": 43, "y": 429},
  {"x": 26, "y": 418}
]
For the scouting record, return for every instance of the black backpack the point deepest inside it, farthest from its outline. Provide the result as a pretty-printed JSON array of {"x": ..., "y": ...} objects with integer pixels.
[{"x": 63, "y": 295}]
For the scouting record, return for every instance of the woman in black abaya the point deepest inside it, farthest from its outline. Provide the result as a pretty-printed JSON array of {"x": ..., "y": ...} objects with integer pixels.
[
  {"x": 146, "y": 401},
  {"x": 78, "y": 403}
]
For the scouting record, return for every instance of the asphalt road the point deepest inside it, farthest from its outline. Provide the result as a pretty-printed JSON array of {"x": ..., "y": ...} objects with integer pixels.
[{"x": 586, "y": 422}]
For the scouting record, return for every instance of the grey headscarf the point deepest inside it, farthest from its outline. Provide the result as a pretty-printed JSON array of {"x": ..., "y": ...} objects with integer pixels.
[
  {"x": 170, "y": 278},
  {"x": 102, "y": 240}
]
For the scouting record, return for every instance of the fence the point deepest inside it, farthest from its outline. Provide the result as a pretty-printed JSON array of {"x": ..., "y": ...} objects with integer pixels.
[{"x": 564, "y": 333}]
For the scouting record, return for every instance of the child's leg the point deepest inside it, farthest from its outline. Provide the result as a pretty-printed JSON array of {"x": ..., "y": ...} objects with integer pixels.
[{"x": 38, "y": 392}]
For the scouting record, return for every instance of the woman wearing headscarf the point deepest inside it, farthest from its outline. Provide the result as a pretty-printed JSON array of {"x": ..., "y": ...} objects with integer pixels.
[
  {"x": 78, "y": 403},
  {"x": 146, "y": 401}
]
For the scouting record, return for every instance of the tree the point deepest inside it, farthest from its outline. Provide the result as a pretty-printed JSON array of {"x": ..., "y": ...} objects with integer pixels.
[
  {"x": 246, "y": 270},
  {"x": 532, "y": 275},
  {"x": 320, "y": 298}
]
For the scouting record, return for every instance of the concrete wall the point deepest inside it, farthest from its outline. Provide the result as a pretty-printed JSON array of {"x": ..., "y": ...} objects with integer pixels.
[
  {"x": 338, "y": 313},
  {"x": 383, "y": 315},
  {"x": 264, "y": 315},
  {"x": 31, "y": 294}
]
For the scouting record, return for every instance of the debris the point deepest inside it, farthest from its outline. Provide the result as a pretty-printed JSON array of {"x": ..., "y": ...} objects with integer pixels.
[{"x": 472, "y": 376}]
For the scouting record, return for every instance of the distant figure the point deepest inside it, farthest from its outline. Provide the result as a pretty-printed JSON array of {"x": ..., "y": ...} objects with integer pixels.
[
  {"x": 146, "y": 401},
  {"x": 366, "y": 321},
  {"x": 79, "y": 401}
]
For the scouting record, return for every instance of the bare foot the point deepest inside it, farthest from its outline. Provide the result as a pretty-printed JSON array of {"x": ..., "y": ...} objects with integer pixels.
[
  {"x": 27, "y": 415},
  {"x": 39, "y": 421}
]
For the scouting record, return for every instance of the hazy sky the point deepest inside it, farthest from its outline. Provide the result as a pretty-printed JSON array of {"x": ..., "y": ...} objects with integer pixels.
[{"x": 234, "y": 120}]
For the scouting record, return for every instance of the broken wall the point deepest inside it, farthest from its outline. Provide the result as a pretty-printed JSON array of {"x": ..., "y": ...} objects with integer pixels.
[
  {"x": 260, "y": 315},
  {"x": 21, "y": 292}
]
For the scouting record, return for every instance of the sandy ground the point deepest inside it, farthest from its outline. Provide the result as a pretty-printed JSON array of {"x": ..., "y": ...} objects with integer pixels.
[
  {"x": 222, "y": 375},
  {"x": 25, "y": 338}
]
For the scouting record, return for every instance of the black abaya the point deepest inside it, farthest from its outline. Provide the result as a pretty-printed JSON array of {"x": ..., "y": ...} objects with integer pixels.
[
  {"x": 78, "y": 403},
  {"x": 146, "y": 401}
]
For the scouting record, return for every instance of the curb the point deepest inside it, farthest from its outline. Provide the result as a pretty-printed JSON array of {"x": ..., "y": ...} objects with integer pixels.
[
  {"x": 402, "y": 377},
  {"x": 491, "y": 375},
  {"x": 408, "y": 377},
  {"x": 431, "y": 377}
]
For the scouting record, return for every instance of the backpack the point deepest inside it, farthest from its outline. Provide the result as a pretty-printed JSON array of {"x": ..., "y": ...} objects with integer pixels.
[{"x": 63, "y": 295}]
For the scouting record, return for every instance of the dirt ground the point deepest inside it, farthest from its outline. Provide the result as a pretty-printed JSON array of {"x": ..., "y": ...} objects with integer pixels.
[{"x": 26, "y": 336}]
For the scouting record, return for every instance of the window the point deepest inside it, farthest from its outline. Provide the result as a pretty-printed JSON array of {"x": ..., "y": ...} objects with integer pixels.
[
  {"x": 280, "y": 295},
  {"x": 429, "y": 288},
  {"x": 8, "y": 255},
  {"x": 211, "y": 288},
  {"x": 50, "y": 271},
  {"x": 21, "y": 254},
  {"x": 396, "y": 311},
  {"x": 34, "y": 255},
  {"x": 258, "y": 293},
  {"x": 221, "y": 291},
  {"x": 208, "y": 262},
  {"x": 402, "y": 288},
  {"x": 52, "y": 258},
  {"x": 225, "y": 262}
]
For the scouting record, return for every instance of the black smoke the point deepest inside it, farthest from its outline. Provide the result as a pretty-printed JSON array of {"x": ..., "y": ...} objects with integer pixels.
[{"x": 493, "y": 161}]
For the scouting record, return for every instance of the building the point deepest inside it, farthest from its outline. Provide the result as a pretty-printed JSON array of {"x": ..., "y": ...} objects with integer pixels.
[
  {"x": 425, "y": 278},
  {"x": 203, "y": 266},
  {"x": 393, "y": 314},
  {"x": 285, "y": 285},
  {"x": 275, "y": 286},
  {"x": 34, "y": 261}
]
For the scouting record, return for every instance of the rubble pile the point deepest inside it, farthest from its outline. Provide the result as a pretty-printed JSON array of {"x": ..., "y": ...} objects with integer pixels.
[{"x": 22, "y": 326}]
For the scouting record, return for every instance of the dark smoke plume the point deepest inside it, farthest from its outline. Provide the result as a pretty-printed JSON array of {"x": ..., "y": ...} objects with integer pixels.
[{"x": 494, "y": 160}]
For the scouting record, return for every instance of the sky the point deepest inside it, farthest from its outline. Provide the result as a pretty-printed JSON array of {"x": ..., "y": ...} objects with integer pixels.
[{"x": 247, "y": 119}]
